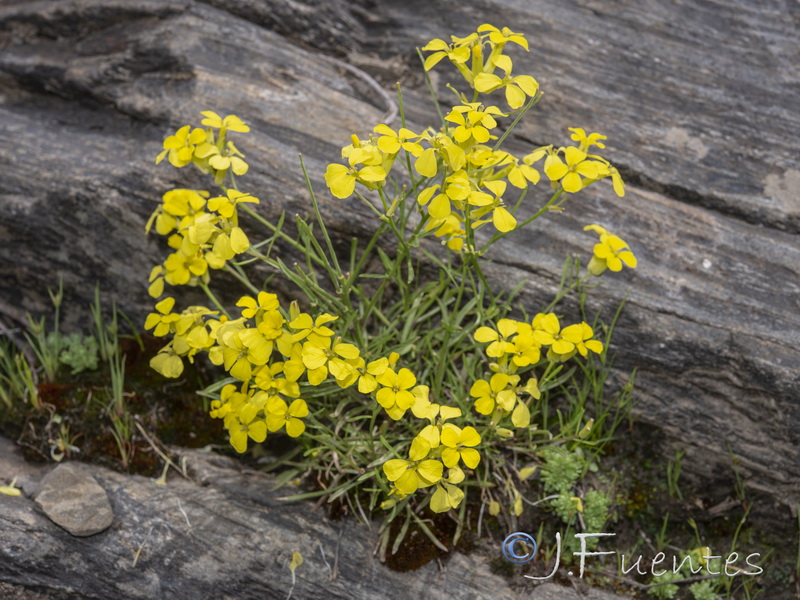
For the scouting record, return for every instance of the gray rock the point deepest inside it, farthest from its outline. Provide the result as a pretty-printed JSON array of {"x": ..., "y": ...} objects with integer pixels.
[
  {"x": 222, "y": 533},
  {"x": 551, "y": 591},
  {"x": 73, "y": 500}
]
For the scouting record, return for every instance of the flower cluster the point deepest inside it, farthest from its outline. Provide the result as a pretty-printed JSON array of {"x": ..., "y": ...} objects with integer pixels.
[
  {"x": 270, "y": 352},
  {"x": 458, "y": 180},
  {"x": 437, "y": 446},
  {"x": 209, "y": 151},
  {"x": 203, "y": 232},
  {"x": 483, "y": 51},
  {"x": 465, "y": 182},
  {"x": 517, "y": 345}
]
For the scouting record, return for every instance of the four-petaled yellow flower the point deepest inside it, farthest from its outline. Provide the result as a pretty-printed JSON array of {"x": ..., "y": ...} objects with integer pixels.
[
  {"x": 457, "y": 53},
  {"x": 161, "y": 321},
  {"x": 342, "y": 180},
  {"x": 246, "y": 424},
  {"x": 572, "y": 173},
  {"x": 417, "y": 472},
  {"x": 396, "y": 396},
  {"x": 252, "y": 307},
  {"x": 499, "y": 345},
  {"x": 280, "y": 415},
  {"x": 181, "y": 146},
  {"x": 391, "y": 142},
  {"x": 611, "y": 252},
  {"x": 494, "y": 391},
  {"x": 321, "y": 354},
  {"x": 517, "y": 88},
  {"x": 474, "y": 122},
  {"x": 459, "y": 445}
]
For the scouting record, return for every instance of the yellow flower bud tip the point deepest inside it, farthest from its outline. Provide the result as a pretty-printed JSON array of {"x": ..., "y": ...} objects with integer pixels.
[{"x": 11, "y": 489}]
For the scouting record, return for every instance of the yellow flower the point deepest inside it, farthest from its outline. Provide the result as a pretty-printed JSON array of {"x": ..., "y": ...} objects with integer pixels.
[
  {"x": 395, "y": 396},
  {"x": 494, "y": 391},
  {"x": 572, "y": 339},
  {"x": 233, "y": 354},
  {"x": 610, "y": 253},
  {"x": 252, "y": 307},
  {"x": 180, "y": 146},
  {"x": 321, "y": 355},
  {"x": 368, "y": 373},
  {"x": 519, "y": 175},
  {"x": 176, "y": 204},
  {"x": 304, "y": 326},
  {"x": 391, "y": 141},
  {"x": 445, "y": 497},
  {"x": 220, "y": 160},
  {"x": 459, "y": 445},
  {"x": 410, "y": 475},
  {"x": 280, "y": 415},
  {"x": 587, "y": 141},
  {"x": 458, "y": 53},
  {"x": 500, "y": 37},
  {"x": 246, "y": 424},
  {"x": 341, "y": 180},
  {"x": 526, "y": 349},
  {"x": 231, "y": 122},
  {"x": 452, "y": 153},
  {"x": 499, "y": 345},
  {"x": 517, "y": 88},
  {"x": 167, "y": 362},
  {"x": 163, "y": 319},
  {"x": 577, "y": 167},
  {"x": 546, "y": 329},
  {"x": 503, "y": 220},
  {"x": 473, "y": 122},
  {"x": 226, "y": 205},
  {"x": 266, "y": 379},
  {"x": 180, "y": 268},
  {"x": 293, "y": 368}
]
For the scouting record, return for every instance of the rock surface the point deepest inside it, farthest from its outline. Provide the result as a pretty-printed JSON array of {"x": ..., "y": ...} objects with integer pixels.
[
  {"x": 222, "y": 533},
  {"x": 549, "y": 591},
  {"x": 698, "y": 100},
  {"x": 72, "y": 499}
]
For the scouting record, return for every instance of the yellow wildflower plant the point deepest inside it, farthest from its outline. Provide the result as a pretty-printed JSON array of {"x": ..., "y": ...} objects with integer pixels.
[{"x": 404, "y": 375}]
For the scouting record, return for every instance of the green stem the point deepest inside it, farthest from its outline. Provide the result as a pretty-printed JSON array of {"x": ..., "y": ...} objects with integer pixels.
[
  {"x": 213, "y": 298},
  {"x": 500, "y": 235},
  {"x": 239, "y": 274},
  {"x": 324, "y": 229},
  {"x": 428, "y": 82},
  {"x": 533, "y": 101}
]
